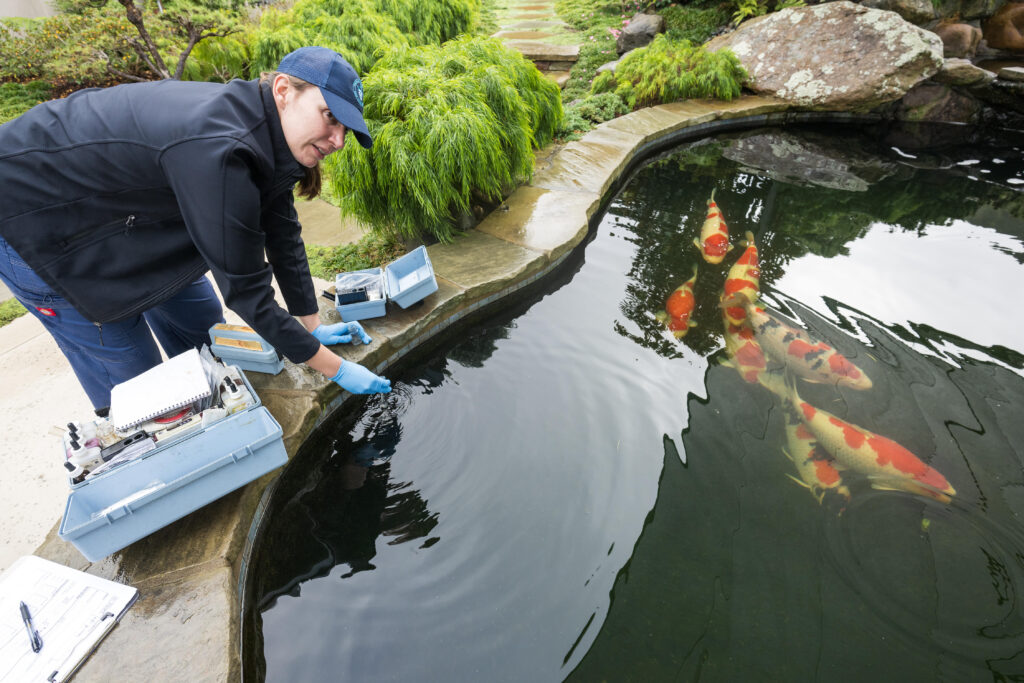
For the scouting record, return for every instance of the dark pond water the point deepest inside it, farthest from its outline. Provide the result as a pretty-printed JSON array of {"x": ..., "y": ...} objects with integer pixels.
[{"x": 568, "y": 492}]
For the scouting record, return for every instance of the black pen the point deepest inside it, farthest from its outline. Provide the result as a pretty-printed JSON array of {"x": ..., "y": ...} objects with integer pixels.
[{"x": 33, "y": 634}]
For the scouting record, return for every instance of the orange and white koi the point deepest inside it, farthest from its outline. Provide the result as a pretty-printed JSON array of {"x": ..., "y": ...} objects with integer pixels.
[
  {"x": 806, "y": 357},
  {"x": 714, "y": 234},
  {"x": 881, "y": 459},
  {"x": 678, "y": 308},
  {"x": 744, "y": 277},
  {"x": 819, "y": 471}
]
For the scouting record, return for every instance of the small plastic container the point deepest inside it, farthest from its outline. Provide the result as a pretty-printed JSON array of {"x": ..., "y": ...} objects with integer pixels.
[
  {"x": 406, "y": 281},
  {"x": 114, "y": 509},
  {"x": 240, "y": 345}
]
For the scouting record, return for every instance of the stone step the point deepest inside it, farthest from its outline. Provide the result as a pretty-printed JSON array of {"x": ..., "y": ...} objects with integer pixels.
[
  {"x": 559, "y": 77},
  {"x": 546, "y": 56}
]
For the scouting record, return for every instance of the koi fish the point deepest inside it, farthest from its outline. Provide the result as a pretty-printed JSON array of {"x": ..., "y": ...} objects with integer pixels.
[
  {"x": 884, "y": 461},
  {"x": 808, "y": 358},
  {"x": 745, "y": 354},
  {"x": 679, "y": 307},
  {"x": 714, "y": 234},
  {"x": 819, "y": 471},
  {"x": 744, "y": 276}
]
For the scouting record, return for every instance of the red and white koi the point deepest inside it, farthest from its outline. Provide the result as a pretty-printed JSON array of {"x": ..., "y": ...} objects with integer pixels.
[
  {"x": 884, "y": 461},
  {"x": 714, "y": 234},
  {"x": 819, "y": 471},
  {"x": 806, "y": 357},
  {"x": 744, "y": 277},
  {"x": 679, "y": 307},
  {"x": 745, "y": 354}
]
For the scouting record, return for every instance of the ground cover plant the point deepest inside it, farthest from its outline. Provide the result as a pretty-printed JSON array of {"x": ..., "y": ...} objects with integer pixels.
[
  {"x": 668, "y": 70},
  {"x": 453, "y": 126},
  {"x": 371, "y": 251},
  {"x": 599, "y": 24},
  {"x": 11, "y": 310}
]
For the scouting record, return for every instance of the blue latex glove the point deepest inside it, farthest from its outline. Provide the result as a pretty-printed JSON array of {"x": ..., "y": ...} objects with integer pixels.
[
  {"x": 340, "y": 333},
  {"x": 354, "y": 378}
]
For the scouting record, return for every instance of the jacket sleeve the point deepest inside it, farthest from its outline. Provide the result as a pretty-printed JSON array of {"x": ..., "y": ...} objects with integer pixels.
[
  {"x": 287, "y": 255},
  {"x": 220, "y": 204}
]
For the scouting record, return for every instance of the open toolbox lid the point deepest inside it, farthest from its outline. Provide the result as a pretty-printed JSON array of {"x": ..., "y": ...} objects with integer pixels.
[{"x": 407, "y": 280}]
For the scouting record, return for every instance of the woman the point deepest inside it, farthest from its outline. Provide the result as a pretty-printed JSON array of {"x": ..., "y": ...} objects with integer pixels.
[{"x": 117, "y": 201}]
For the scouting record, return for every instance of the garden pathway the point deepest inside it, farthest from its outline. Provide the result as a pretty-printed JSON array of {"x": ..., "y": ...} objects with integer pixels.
[{"x": 533, "y": 28}]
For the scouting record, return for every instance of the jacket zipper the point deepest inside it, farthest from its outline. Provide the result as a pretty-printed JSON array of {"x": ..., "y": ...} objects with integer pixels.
[
  {"x": 99, "y": 328},
  {"x": 129, "y": 223}
]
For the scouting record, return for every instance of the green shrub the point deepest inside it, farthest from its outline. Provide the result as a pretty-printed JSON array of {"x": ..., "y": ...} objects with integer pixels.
[
  {"x": 667, "y": 70},
  {"x": 451, "y": 125},
  {"x": 17, "y": 98},
  {"x": 602, "y": 107},
  {"x": 359, "y": 30},
  {"x": 72, "y": 48},
  {"x": 695, "y": 24},
  {"x": 219, "y": 59},
  {"x": 371, "y": 251},
  {"x": 11, "y": 310}
]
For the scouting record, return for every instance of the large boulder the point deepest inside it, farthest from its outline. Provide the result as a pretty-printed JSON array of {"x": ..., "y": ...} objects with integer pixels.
[
  {"x": 640, "y": 31},
  {"x": 938, "y": 103},
  {"x": 958, "y": 39},
  {"x": 914, "y": 11},
  {"x": 837, "y": 56},
  {"x": 1004, "y": 30}
]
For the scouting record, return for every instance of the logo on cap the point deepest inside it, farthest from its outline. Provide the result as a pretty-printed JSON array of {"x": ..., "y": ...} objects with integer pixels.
[{"x": 357, "y": 90}]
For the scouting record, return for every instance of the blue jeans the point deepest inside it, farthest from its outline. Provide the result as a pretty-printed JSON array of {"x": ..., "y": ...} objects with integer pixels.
[{"x": 108, "y": 354}]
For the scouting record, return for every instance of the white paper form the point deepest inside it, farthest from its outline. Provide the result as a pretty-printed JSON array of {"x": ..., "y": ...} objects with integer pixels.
[{"x": 71, "y": 610}]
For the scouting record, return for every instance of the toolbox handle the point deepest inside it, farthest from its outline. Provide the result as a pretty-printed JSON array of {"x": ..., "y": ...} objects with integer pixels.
[{"x": 203, "y": 471}]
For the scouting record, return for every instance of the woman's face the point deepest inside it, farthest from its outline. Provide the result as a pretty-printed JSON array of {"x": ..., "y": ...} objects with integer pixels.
[{"x": 310, "y": 128}]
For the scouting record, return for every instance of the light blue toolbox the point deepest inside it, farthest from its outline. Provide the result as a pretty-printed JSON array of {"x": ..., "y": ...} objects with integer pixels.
[
  {"x": 240, "y": 345},
  {"x": 363, "y": 294},
  {"x": 113, "y": 509}
]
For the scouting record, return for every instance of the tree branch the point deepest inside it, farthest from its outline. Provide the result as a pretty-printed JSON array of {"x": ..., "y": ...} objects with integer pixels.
[
  {"x": 154, "y": 59},
  {"x": 196, "y": 33}
]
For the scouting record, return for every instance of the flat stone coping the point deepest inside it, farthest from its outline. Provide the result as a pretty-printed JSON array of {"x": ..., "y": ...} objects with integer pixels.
[{"x": 186, "y": 624}]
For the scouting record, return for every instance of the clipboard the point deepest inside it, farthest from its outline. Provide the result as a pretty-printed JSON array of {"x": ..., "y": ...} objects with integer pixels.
[{"x": 72, "y": 611}]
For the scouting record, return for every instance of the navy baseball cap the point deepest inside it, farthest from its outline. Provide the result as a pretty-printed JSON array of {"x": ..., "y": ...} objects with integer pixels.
[{"x": 338, "y": 82}]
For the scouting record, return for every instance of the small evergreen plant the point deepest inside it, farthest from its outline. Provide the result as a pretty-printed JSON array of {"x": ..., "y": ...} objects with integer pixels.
[
  {"x": 451, "y": 125},
  {"x": 669, "y": 70}
]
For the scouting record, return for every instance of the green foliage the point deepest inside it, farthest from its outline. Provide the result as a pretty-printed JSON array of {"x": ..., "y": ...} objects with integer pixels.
[
  {"x": 17, "y": 98},
  {"x": 452, "y": 125},
  {"x": 602, "y": 107},
  {"x": 65, "y": 48},
  {"x": 90, "y": 45},
  {"x": 371, "y": 251},
  {"x": 219, "y": 59},
  {"x": 583, "y": 115},
  {"x": 694, "y": 24},
  {"x": 433, "y": 21},
  {"x": 745, "y": 9},
  {"x": 11, "y": 310},
  {"x": 667, "y": 70},
  {"x": 359, "y": 30}
]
